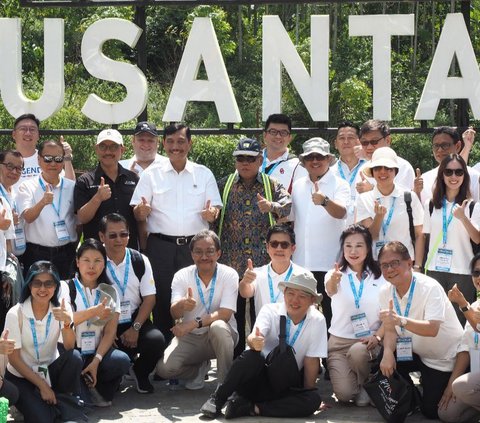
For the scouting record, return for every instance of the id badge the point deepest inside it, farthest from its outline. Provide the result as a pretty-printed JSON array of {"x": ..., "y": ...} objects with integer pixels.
[
  {"x": 474, "y": 360},
  {"x": 125, "y": 312},
  {"x": 42, "y": 371},
  {"x": 443, "y": 262},
  {"x": 19, "y": 241},
  {"x": 404, "y": 349},
  {"x": 378, "y": 246},
  {"x": 61, "y": 230},
  {"x": 360, "y": 325},
  {"x": 88, "y": 342}
]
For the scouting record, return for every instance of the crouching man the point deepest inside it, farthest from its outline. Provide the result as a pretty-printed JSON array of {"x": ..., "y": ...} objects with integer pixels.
[
  {"x": 204, "y": 299},
  {"x": 253, "y": 389}
]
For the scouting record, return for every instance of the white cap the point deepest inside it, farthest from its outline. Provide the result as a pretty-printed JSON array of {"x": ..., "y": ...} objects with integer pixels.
[{"x": 110, "y": 135}]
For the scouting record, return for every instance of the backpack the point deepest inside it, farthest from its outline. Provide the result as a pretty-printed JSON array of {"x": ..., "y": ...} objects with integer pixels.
[{"x": 407, "y": 196}]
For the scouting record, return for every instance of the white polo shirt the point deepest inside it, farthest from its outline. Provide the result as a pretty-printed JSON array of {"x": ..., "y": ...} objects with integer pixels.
[
  {"x": 42, "y": 230},
  {"x": 458, "y": 240},
  {"x": 399, "y": 228},
  {"x": 9, "y": 197},
  {"x": 468, "y": 338},
  {"x": 343, "y": 303},
  {"x": 429, "y": 302},
  {"x": 127, "y": 163},
  {"x": 177, "y": 199},
  {"x": 405, "y": 176},
  {"x": 312, "y": 338},
  {"x": 317, "y": 233},
  {"x": 261, "y": 284},
  {"x": 284, "y": 169},
  {"x": 7, "y": 234},
  {"x": 224, "y": 295}
]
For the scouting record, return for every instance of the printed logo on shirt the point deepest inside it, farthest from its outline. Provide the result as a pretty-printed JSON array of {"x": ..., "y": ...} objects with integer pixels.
[{"x": 130, "y": 183}]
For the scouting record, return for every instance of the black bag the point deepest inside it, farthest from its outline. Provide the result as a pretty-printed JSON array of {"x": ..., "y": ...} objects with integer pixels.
[
  {"x": 71, "y": 407},
  {"x": 392, "y": 396},
  {"x": 281, "y": 366}
]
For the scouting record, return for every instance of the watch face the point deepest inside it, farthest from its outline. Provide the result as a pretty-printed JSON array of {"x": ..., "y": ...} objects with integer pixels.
[{"x": 137, "y": 326}]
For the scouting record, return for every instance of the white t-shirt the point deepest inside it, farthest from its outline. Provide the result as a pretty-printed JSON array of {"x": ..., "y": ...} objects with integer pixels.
[
  {"x": 9, "y": 197},
  {"x": 177, "y": 199},
  {"x": 31, "y": 168},
  {"x": 42, "y": 230},
  {"x": 429, "y": 302},
  {"x": 343, "y": 303},
  {"x": 224, "y": 295},
  {"x": 127, "y": 163},
  {"x": 311, "y": 341},
  {"x": 399, "y": 228},
  {"x": 7, "y": 234},
  {"x": 317, "y": 233},
  {"x": 405, "y": 176},
  {"x": 285, "y": 170},
  {"x": 458, "y": 240}
]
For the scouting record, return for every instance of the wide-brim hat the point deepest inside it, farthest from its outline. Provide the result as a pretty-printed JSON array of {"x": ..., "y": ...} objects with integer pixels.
[
  {"x": 383, "y": 156},
  {"x": 316, "y": 145},
  {"x": 304, "y": 282},
  {"x": 109, "y": 292}
]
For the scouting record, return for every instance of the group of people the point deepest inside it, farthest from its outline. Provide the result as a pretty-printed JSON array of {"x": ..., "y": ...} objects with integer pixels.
[{"x": 324, "y": 252}]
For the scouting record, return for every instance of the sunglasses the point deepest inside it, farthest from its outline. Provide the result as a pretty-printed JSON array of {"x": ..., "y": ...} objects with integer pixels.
[
  {"x": 444, "y": 146},
  {"x": 50, "y": 159},
  {"x": 317, "y": 157},
  {"x": 450, "y": 172},
  {"x": 365, "y": 143},
  {"x": 246, "y": 159},
  {"x": 35, "y": 283},
  {"x": 476, "y": 273},
  {"x": 388, "y": 169},
  {"x": 283, "y": 244},
  {"x": 115, "y": 235}
]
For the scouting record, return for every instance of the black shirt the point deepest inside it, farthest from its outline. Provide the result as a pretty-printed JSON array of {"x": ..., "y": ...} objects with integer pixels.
[{"x": 122, "y": 190}]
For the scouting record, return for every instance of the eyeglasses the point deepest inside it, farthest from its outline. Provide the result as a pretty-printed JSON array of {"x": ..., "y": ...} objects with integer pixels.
[
  {"x": 450, "y": 172},
  {"x": 246, "y": 159},
  {"x": 476, "y": 273},
  {"x": 201, "y": 253},
  {"x": 12, "y": 168},
  {"x": 385, "y": 168},
  {"x": 312, "y": 157},
  {"x": 372, "y": 142},
  {"x": 445, "y": 146},
  {"x": 110, "y": 147},
  {"x": 50, "y": 159},
  {"x": 393, "y": 265},
  {"x": 31, "y": 129},
  {"x": 282, "y": 244},
  {"x": 36, "y": 283},
  {"x": 275, "y": 132},
  {"x": 115, "y": 235}
]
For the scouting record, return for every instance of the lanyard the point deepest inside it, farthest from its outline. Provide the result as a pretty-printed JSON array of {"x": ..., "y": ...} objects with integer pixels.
[
  {"x": 212, "y": 290},
  {"x": 356, "y": 295},
  {"x": 80, "y": 289},
  {"x": 386, "y": 224},
  {"x": 297, "y": 332},
  {"x": 59, "y": 198},
  {"x": 475, "y": 340},
  {"x": 264, "y": 164},
  {"x": 353, "y": 174},
  {"x": 5, "y": 195},
  {"x": 445, "y": 222},
  {"x": 274, "y": 299},
  {"x": 34, "y": 334},
  {"x": 409, "y": 301},
  {"x": 123, "y": 287}
]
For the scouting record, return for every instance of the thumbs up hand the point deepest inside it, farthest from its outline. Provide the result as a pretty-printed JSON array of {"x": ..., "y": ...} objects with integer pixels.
[
  {"x": 47, "y": 196},
  {"x": 379, "y": 210},
  {"x": 456, "y": 296},
  {"x": 469, "y": 138},
  {"x": 189, "y": 303},
  {"x": 264, "y": 205},
  {"x": 389, "y": 317},
  {"x": 359, "y": 152},
  {"x": 418, "y": 182},
  {"x": 249, "y": 276},
  {"x": 210, "y": 213},
  {"x": 337, "y": 274},
  {"x": 6, "y": 345},
  {"x": 5, "y": 221},
  {"x": 256, "y": 340},
  {"x": 363, "y": 185},
  {"x": 142, "y": 210},
  {"x": 459, "y": 211},
  {"x": 62, "y": 313},
  {"x": 102, "y": 310},
  {"x": 317, "y": 197},
  {"x": 104, "y": 192},
  {"x": 133, "y": 167}
]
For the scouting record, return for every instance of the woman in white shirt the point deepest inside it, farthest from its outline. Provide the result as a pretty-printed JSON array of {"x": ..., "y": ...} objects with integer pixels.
[
  {"x": 353, "y": 286},
  {"x": 36, "y": 324},
  {"x": 452, "y": 221}
]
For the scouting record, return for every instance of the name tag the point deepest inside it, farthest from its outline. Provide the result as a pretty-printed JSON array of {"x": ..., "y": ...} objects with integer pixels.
[
  {"x": 360, "y": 325},
  {"x": 378, "y": 246},
  {"x": 443, "y": 263},
  {"x": 404, "y": 349},
  {"x": 42, "y": 371},
  {"x": 61, "y": 230},
  {"x": 88, "y": 342},
  {"x": 474, "y": 360},
  {"x": 125, "y": 312},
  {"x": 19, "y": 241}
]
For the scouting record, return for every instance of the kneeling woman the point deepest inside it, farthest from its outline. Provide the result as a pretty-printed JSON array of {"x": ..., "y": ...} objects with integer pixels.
[
  {"x": 35, "y": 367},
  {"x": 96, "y": 325}
]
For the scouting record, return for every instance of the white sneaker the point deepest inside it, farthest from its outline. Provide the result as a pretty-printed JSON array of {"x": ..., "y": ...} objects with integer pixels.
[
  {"x": 362, "y": 399},
  {"x": 199, "y": 381}
]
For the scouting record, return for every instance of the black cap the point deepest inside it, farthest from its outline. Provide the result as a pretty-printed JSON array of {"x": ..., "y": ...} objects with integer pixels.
[
  {"x": 146, "y": 127},
  {"x": 248, "y": 147}
]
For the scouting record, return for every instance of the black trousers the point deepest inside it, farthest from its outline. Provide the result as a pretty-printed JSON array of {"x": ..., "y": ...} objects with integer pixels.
[
  {"x": 241, "y": 318},
  {"x": 166, "y": 258},
  {"x": 61, "y": 257},
  {"x": 248, "y": 378}
]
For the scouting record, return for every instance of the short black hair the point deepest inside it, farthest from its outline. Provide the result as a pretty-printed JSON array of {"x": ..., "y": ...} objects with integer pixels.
[
  {"x": 375, "y": 125},
  {"x": 175, "y": 127},
  {"x": 448, "y": 130},
  {"x": 41, "y": 266},
  {"x": 111, "y": 218},
  {"x": 96, "y": 245},
  {"x": 281, "y": 229},
  {"x": 348, "y": 124},
  {"x": 24, "y": 117},
  {"x": 396, "y": 247},
  {"x": 13, "y": 152},
  {"x": 278, "y": 118},
  {"x": 206, "y": 233},
  {"x": 44, "y": 143}
]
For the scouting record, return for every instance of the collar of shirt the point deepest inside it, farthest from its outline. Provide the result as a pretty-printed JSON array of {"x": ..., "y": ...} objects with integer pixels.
[
  {"x": 327, "y": 178},
  {"x": 167, "y": 166},
  {"x": 48, "y": 183},
  {"x": 121, "y": 171},
  {"x": 283, "y": 157},
  {"x": 27, "y": 310},
  {"x": 121, "y": 264},
  {"x": 258, "y": 178},
  {"x": 397, "y": 192}
]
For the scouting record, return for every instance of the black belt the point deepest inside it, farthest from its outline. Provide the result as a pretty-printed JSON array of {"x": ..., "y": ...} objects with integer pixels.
[
  {"x": 52, "y": 250},
  {"x": 179, "y": 240}
]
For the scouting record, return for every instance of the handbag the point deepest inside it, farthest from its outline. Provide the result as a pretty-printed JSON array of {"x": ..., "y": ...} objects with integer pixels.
[{"x": 281, "y": 366}]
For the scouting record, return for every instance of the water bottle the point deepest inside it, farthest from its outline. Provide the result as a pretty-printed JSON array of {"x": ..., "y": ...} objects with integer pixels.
[{"x": 3, "y": 409}]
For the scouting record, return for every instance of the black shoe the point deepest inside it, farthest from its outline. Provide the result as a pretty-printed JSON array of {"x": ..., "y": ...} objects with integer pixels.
[
  {"x": 239, "y": 406},
  {"x": 211, "y": 408},
  {"x": 142, "y": 383},
  {"x": 326, "y": 376}
]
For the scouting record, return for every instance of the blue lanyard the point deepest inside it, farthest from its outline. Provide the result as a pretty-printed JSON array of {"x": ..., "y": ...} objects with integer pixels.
[
  {"x": 445, "y": 222},
  {"x": 274, "y": 299},
  {"x": 356, "y": 295},
  {"x": 353, "y": 173},
  {"x": 59, "y": 198},
  {"x": 409, "y": 301},
  {"x": 80, "y": 289},
  {"x": 475, "y": 340},
  {"x": 297, "y": 332},
  {"x": 212, "y": 290},
  {"x": 5, "y": 195},
  {"x": 386, "y": 224},
  {"x": 264, "y": 164},
  {"x": 123, "y": 287},
  {"x": 36, "y": 345}
]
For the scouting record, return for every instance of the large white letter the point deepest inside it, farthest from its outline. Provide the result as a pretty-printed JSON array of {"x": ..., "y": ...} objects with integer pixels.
[
  {"x": 53, "y": 94},
  {"x": 278, "y": 49},
  {"x": 202, "y": 44},
  {"x": 454, "y": 41},
  {"x": 381, "y": 28},
  {"x": 102, "y": 67}
]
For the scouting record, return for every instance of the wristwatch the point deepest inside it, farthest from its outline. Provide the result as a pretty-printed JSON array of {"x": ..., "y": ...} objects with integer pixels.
[
  {"x": 70, "y": 325},
  {"x": 403, "y": 322},
  {"x": 199, "y": 322},
  {"x": 378, "y": 338},
  {"x": 136, "y": 326},
  {"x": 325, "y": 201},
  {"x": 464, "y": 309}
]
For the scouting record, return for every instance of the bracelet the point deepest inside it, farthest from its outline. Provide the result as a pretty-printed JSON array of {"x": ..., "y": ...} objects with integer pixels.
[
  {"x": 68, "y": 158},
  {"x": 99, "y": 357}
]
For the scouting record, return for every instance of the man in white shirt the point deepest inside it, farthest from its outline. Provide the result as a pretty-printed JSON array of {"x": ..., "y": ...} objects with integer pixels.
[
  {"x": 204, "y": 299},
  {"x": 173, "y": 201},
  {"x": 145, "y": 147},
  {"x": 131, "y": 273}
]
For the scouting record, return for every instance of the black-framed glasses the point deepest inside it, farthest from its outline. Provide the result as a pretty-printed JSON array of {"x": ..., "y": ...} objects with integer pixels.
[
  {"x": 444, "y": 146},
  {"x": 110, "y": 147},
  {"x": 200, "y": 253},
  {"x": 25, "y": 129},
  {"x": 394, "y": 264},
  {"x": 37, "y": 283},
  {"x": 476, "y": 273},
  {"x": 282, "y": 244},
  {"x": 13, "y": 168},
  {"x": 50, "y": 159},
  {"x": 312, "y": 157},
  {"x": 275, "y": 132},
  {"x": 115, "y": 235},
  {"x": 450, "y": 172},
  {"x": 246, "y": 159},
  {"x": 371, "y": 142}
]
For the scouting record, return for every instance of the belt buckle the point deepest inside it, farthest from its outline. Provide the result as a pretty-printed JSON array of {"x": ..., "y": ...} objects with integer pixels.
[{"x": 182, "y": 240}]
